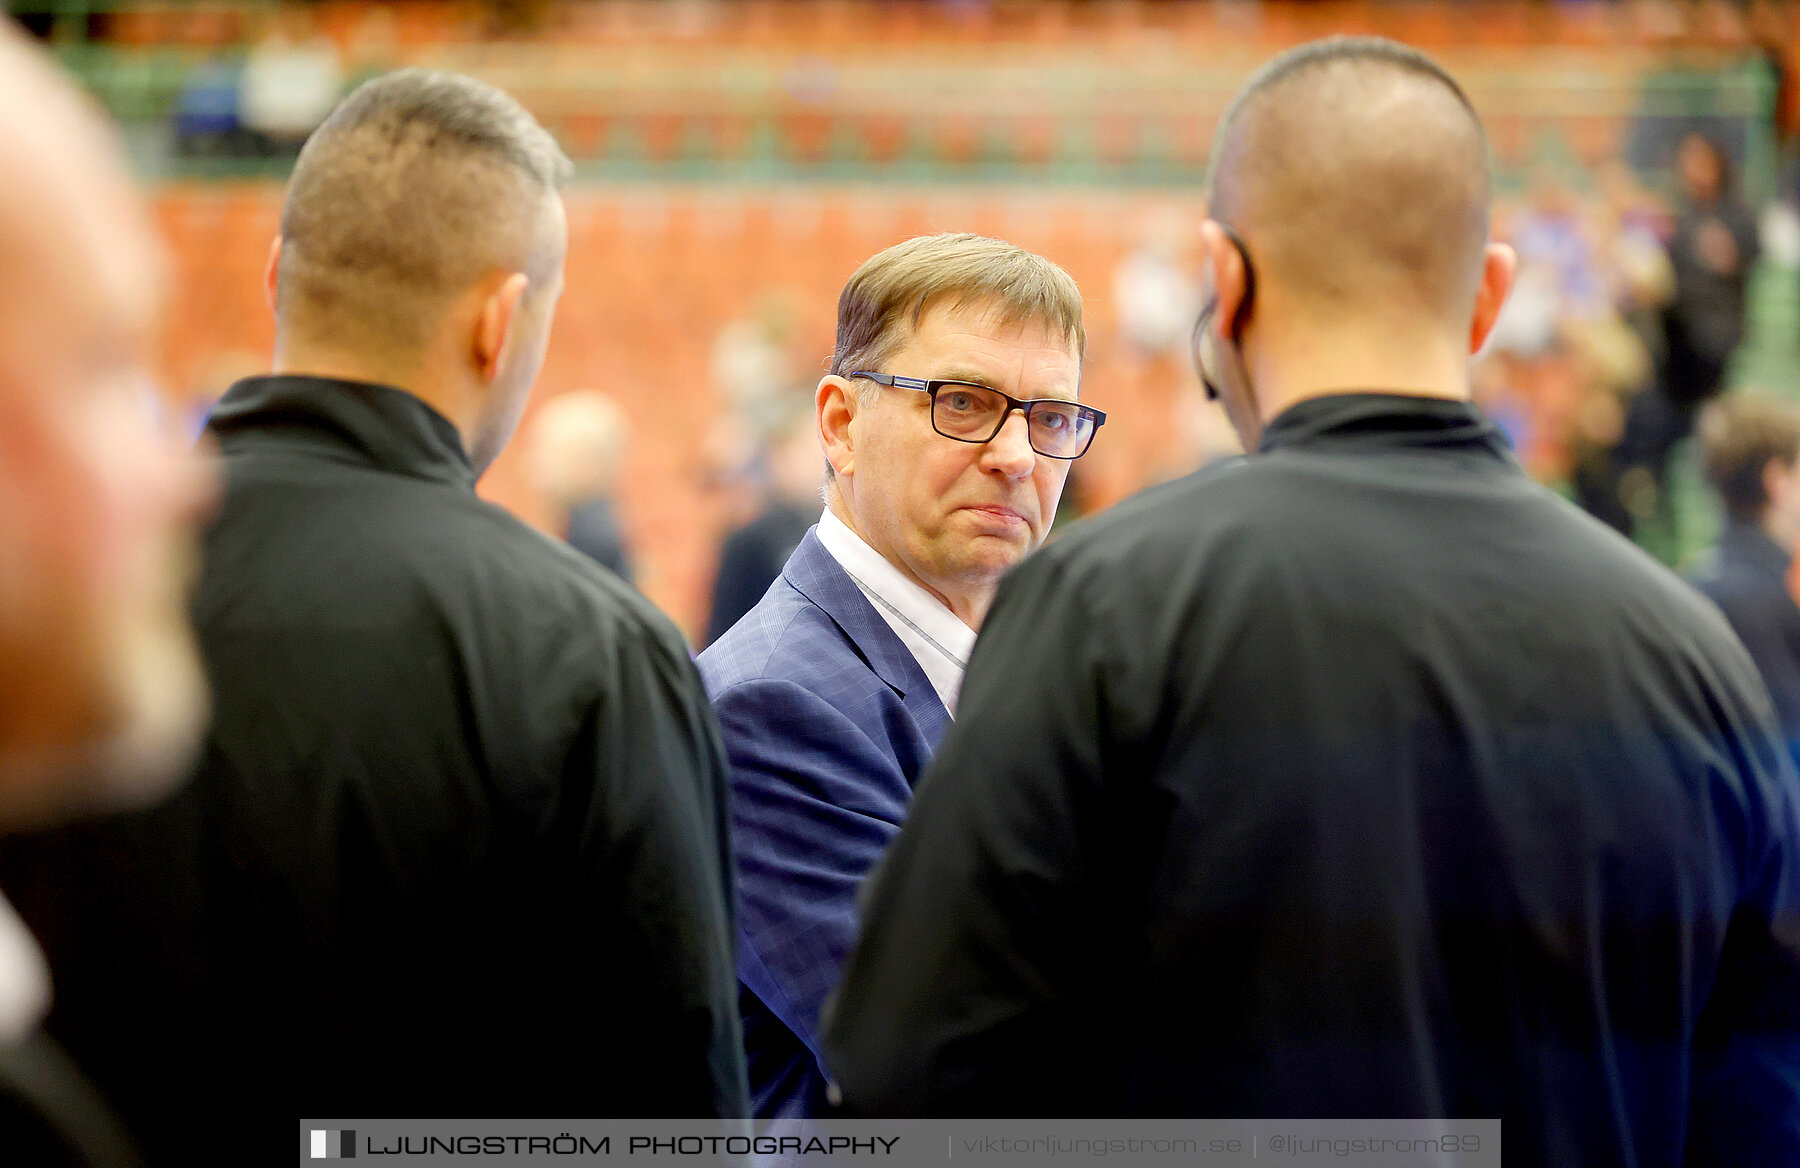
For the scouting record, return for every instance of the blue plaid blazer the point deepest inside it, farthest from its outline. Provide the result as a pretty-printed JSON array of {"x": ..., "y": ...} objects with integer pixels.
[{"x": 828, "y": 722}]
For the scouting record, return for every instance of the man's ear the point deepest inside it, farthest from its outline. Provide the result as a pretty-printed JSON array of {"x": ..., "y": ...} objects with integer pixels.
[
  {"x": 494, "y": 324},
  {"x": 1498, "y": 267},
  {"x": 1229, "y": 280},
  {"x": 836, "y": 404},
  {"x": 272, "y": 273}
]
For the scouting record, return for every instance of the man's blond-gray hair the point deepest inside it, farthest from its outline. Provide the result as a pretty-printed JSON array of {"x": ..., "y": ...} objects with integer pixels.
[{"x": 887, "y": 297}]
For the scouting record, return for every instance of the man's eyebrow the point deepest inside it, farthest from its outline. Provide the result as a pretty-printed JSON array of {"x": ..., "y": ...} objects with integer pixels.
[
  {"x": 974, "y": 376},
  {"x": 964, "y": 373}
]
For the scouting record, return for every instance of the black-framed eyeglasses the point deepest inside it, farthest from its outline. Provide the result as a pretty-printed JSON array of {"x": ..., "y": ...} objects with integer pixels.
[
  {"x": 1198, "y": 341},
  {"x": 975, "y": 413}
]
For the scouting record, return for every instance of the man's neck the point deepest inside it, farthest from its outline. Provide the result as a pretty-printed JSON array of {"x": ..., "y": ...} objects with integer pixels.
[
  {"x": 415, "y": 378},
  {"x": 1374, "y": 358}
]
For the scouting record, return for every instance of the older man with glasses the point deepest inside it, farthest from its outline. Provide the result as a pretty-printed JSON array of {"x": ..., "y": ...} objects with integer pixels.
[{"x": 948, "y": 421}]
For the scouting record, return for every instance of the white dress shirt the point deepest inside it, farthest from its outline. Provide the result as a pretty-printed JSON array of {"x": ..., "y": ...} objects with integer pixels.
[
  {"x": 937, "y": 638},
  {"x": 24, "y": 979}
]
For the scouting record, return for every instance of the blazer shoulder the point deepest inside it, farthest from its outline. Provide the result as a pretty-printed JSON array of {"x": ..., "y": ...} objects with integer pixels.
[
  {"x": 797, "y": 643},
  {"x": 781, "y": 626}
]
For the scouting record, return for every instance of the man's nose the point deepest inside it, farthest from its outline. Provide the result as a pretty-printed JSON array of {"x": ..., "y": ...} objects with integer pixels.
[{"x": 1010, "y": 452}]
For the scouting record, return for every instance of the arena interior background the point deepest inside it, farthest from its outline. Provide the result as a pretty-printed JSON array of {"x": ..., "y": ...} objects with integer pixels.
[{"x": 737, "y": 159}]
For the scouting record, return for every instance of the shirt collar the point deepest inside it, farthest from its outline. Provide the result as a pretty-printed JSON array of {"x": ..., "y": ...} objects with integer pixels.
[
  {"x": 388, "y": 428},
  {"x": 1383, "y": 421},
  {"x": 24, "y": 979},
  {"x": 936, "y": 637}
]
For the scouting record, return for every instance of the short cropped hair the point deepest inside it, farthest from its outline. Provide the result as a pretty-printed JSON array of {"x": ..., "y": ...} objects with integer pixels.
[
  {"x": 1740, "y": 434},
  {"x": 887, "y": 297},
  {"x": 418, "y": 183},
  {"x": 1364, "y": 170},
  {"x": 1366, "y": 50}
]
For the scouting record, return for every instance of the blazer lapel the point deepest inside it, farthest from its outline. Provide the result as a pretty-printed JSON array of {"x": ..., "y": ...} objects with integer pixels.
[{"x": 821, "y": 579}]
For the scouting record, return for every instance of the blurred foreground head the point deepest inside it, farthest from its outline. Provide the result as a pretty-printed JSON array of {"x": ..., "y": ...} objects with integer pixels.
[
  {"x": 1348, "y": 245},
  {"x": 101, "y": 693},
  {"x": 422, "y": 246}
]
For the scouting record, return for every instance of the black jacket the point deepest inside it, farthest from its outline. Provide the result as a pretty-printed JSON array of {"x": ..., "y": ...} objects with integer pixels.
[
  {"x": 457, "y": 842},
  {"x": 1361, "y": 777}
]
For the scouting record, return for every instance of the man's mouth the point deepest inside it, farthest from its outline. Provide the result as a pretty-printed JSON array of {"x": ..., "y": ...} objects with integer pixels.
[{"x": 1005, "y": 516}]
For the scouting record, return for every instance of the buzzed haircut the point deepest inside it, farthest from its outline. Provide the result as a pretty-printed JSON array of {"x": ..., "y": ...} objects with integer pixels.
[
  {"x": 1740, "y": 435},
  {"x": 419, "y": 183},
  {"x": 1357, "y": 170},
  {"x": 886, "y": 298}
]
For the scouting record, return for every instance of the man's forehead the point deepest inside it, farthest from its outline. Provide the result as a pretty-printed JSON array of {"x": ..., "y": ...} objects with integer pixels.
[
  {"x": 989, "y": 325},
  {"x": 984, "y": 342}
]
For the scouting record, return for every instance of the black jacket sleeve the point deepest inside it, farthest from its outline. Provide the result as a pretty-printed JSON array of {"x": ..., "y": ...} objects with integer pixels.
[{"x": 638, "y": 858}]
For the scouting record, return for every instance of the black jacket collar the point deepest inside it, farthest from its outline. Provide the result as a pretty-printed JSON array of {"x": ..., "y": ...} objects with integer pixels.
[
  {"x": 387, "y": 428},
  {"x": 1383, "y": 421}
]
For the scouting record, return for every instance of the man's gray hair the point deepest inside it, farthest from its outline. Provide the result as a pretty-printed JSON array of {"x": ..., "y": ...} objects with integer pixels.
[{"x": 887, "y": 297}]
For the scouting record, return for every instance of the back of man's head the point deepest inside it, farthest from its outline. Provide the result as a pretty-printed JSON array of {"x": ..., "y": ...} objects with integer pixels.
[
  {"x": 1360, "y": 171},
  {"x": 416, "y": 186}
]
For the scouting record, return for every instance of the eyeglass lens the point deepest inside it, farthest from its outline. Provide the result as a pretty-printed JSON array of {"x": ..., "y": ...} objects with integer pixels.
[{"x": 975, "y": 414}]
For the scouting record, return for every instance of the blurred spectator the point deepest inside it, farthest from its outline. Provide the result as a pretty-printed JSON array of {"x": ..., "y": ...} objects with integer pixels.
[
  {"x": 1640, "y": 280},
  {"x": 753, "y": 554},
  {"x": 1712, "y": 252},
  {"x": 101, "y": 692},
  {"x": 1705, "y": 67},
  {"x": 577, "y": 456},
  {"x": 291, "y": 80},
  {"x": 1610, "y": 367},
  {"x": 1751, "y": 447},
  {"x": 1714, "y": 246},
  {"x": 753, "y": 367},
  {"x": 1155, "y": 296}
]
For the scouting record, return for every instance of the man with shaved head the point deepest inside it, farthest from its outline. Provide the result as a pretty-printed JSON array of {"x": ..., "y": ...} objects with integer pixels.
[
  {"x": 1361, "y": 776},
  {"x": 101, "y": 693},
  {"x": 456, "y": 845}
]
